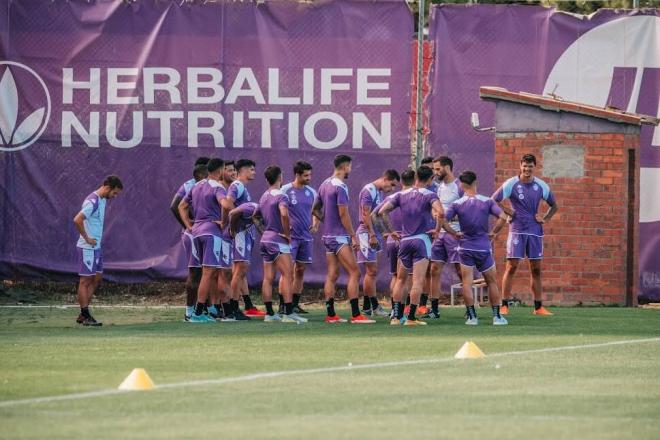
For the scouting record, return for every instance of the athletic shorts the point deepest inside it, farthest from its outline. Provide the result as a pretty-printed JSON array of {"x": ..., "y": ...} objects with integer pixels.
[
  {"x": 333, "y": 244},
  {"x": 243, "y": 244},
  {"x": 445, "y": 249},
  {"x": 367, "y": 254},
  {"x": 414, "y": 249},
  {"x": 192, "y": 257},
  {"x": 302, "y": 251},
  {"x": 482, "y": 260},
  {"x": 270, "y": 251},
  {"x": 214, "y": 251},
  {"x": 90, "y": 262},
  {"x": 524, "y": 245}
]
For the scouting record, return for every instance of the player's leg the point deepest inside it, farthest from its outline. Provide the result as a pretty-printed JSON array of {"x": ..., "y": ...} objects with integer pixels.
[
  {"x": 467, "y": 274},
  {"x": 419, "y": 278},
  {"x": 486, "y": 265},
  {"x": 436, "y": 288},
  {"x": 331, "y": 277},
  {"x": 301, "y": 259},
  {"x": 537, "y": 287},
  {"x": 515, "y": 251},
  {"x": 371, "y": 272},
  {"x": 347, "y": 260},
  {"x": 398, "y": 293},
  {"x": 284, "y": 265}
]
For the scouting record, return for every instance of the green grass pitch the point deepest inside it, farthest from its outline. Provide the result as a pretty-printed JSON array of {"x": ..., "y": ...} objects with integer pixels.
[{"x": 594, "y": 392}]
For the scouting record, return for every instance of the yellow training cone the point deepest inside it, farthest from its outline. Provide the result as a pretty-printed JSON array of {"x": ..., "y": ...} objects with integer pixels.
[
  {"x": 137, "y": 380},
  {"x": 469, "y": 350}
]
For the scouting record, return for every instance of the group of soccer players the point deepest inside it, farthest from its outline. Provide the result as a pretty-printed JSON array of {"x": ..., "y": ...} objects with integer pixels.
[{"x": 434, "y": 219}]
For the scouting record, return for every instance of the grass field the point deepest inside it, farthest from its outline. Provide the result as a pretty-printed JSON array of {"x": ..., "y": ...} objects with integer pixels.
[{"x": 584, "y": 389}]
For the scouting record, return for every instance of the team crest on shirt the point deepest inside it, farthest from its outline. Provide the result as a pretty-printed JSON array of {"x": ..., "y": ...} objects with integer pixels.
[
  {"x": 521, "y": 196},
  {"x": 307, "y": 193},
  {"x": 520, "y": 188},
  {"x": 536, "y": 187},
  {"x": 292, "y": 196}
]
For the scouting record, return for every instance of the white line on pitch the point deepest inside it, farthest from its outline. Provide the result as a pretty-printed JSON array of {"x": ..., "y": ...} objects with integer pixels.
[{"x": 274, "y": 374}]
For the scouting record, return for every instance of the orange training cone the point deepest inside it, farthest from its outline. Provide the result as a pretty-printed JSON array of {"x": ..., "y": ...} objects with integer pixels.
[
  {"x": 469, "y": 350},
  {"x": 137, "y": 380}
]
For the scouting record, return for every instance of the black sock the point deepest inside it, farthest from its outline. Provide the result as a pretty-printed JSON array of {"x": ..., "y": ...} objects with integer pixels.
[
  {"x": 205, "y": 308},
  {"x": 505, "y": 302},
  {"x": 330, "y": 307},
  {"x": 248, "y": 302},
  {"x": 392, "y": 303},
  {"x": 408, "y": 300},
  {"x": 496, "y": 312},
  {"x": 85, "y": 312},
  {"x": 226, "y": 307},
  {"x": 366, "y": 304},
  {"x": 374, "y": 302},
  {"x": 281, "y": 298},
  {"x": 395, "y": 309},
  {"x": 296, "y": 299},
  {"x": 411, "y": 312},
  {"x": 288, "y": 308},
  {"x": 234, "y": 305},
  {"x": 355, "y": 307},
  {"x": 399, "y": 310},
  {"x": 199, "y": 308},
  {"x": 538, "y": 304},
  {"x": 269, "y": 308},
  {"x": 434, "y": 305},
  {"x": 423, "y": 299},
  {"x": 471, "y": 312},
  {"x": 218, "y": 308}
]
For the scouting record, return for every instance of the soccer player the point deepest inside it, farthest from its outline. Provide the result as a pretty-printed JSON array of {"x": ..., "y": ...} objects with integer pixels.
[
  {"x": 445, "y": 246},
  {"x": 215, "y": 252},
  {"x": 418, "y": 206},
  {"x": 433, "y": 186},
  {"x": 89, "y": 223},
  {"x": 226, "y": 310},
  {"x": 475, "y": 251},
  {"x": 331, "y": 207},
  {"x": 275, "y": 247},
  {"x": 303, "y": 225},
  {"x": 192, "y": 259},
  {"x": 244, "y": 240},
  {"x": 372, "y": 195},
  {"x": 525, "y": 193}
]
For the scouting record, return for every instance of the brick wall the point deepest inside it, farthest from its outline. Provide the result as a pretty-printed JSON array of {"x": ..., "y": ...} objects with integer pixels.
[{"x": 585, "y": 245}]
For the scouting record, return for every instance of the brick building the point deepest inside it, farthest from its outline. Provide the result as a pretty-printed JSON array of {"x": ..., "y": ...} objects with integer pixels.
[{"x": 590, "y": 158}]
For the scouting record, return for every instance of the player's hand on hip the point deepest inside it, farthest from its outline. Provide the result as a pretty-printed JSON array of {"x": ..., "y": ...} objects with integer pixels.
[
  {"x": 373, "y": 241},
  {"x": 355, "y": 243},
  {"x": 91, "y": 241},
  {"x": 540, "y": 218}
]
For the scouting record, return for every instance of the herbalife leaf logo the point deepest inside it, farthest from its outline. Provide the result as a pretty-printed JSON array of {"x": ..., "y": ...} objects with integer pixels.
[{"x": 20, "y": 128}]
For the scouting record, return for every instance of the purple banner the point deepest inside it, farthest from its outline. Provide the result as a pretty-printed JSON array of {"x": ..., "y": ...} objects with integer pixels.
[
  {"x": 608, "y": 58},
  {"x": 142, "y": 89}
]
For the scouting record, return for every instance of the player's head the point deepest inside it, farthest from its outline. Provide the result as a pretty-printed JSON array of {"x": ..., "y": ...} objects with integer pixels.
[
  {"x": 216, "y": 168},
  {"x": 527, "y": 165},
  {"x": 428, "y": 161},
  {"x": 468, "y": 179},
  {"x": 200, "y": 172},
  {"x": 245, "y": 169},
  {"x": 424, "y": 175},
  {"x": 442, "y": 166},
  {"x": 112, "y": 186},
  {"x": 229, "y": 175},
  {"x": 408, "y": 178},
  {"x": 273, "y": 175},
  {"x": 202, "y": 160},
  {"x": 390, "y": 179},
  {"x": 303, "y": 172},
  {"x": 342, "y": 164}
]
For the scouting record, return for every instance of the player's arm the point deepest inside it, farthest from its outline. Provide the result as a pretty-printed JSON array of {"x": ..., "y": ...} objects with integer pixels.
[
  {"x": 446, "y": 218},
  {"x": 258, "y": 221},
  {"x": 79, "y": 221},
  {"x": 184, "y": 209},
  {"x": 384, "y": 215},
  {"x": 315, "y": 224},
  {"x": 499, "y": 197},
  {"x": 286, "y": 221},
  {"x": 174, "y": 207},
  {"x": 365, "y": 213},
  {"x": 234, "y": 217},
  {"x": 317, "y": 210},
  {"x": 499, "y": 224},
  {"x": 228, "y": 204},
  {"x": 548, "y": 215},
  {"x": 346, "y": 222}
]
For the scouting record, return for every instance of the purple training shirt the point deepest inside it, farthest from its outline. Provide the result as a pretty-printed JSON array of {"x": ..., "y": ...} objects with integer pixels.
[{"x": 473, "y": 213}]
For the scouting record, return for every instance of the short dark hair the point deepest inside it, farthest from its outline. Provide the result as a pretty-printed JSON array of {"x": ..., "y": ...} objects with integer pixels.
[
  {"x": 427, "y": 159},
  {"x": 392, "y": 175},
  {"x": 230, "y": 162},
  {"x": 424, "y": 173},
  {"x": 272, "y": 173},
  {"x": 444, "y": 161},
  {"x": 529, "y": 158},
  {"x": 468, "y": 177},
  {"x": 113, "y": 182},
  {"x": 242, "y": 163},
  {"x": 202, "y": 161},
  {"x": 200, "y": 172},
  {"x": 215, "y": 164},
  {"x": 301, "y": 166},
  {"x": 341, "y": 159},
  {"x": 408, "y": 177}
]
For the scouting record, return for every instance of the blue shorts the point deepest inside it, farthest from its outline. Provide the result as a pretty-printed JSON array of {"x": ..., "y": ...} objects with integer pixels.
[
  {"x": 333, "y": 244},
  {"x": 524, "y": 245},
  {"x": 482, "y": 260},
  {"x": 90, "y": 262},
  {"x": 414, "y": 249},
  {"x": 302, "y": 251},
  {"x": 192, "y": 257},
  {"x": 243, "y": 244},
  {"x": 270, "y": 250},
  {"x": 213, "y": 251}
]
